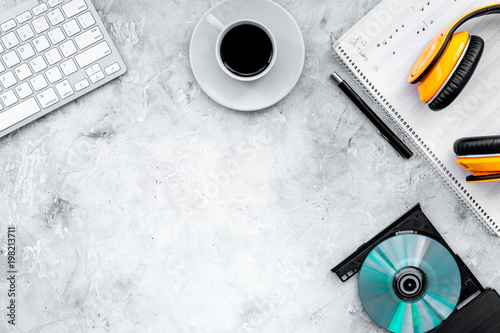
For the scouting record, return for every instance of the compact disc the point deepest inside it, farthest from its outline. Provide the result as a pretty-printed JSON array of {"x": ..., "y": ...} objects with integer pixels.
[{"x": 409, "y": 283}]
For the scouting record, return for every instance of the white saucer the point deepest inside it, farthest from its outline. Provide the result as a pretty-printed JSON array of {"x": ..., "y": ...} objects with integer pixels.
[{"x": 264, "y": 92}]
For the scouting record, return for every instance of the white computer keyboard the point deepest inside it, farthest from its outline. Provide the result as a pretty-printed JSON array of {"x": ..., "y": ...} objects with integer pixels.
[{"x": 51, "y": 52}]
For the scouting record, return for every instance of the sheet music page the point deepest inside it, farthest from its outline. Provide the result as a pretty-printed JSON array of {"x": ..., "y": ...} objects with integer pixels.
[{"x": 384, "y": 46}]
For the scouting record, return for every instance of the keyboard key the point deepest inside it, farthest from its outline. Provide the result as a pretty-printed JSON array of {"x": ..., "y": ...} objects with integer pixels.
[
  {"x": 6, "y": 26},
  {"x": 8, "y": 80},
  {"x": 68, "y": 67},
  {"x": 53, "y": 75},
  {"x": 38, "y": 64},
  {"x": 55, "y": 16},
  {"x": 23, "y": 72},
  {"x": 74, "y": 7},
  {"x": 41, "y": 43},
  {"x": 82, "y": 84},
  {"x": 53, "y": 3},
  {"x": 2, "y": 68},
  {"x": 97, "y": 77},
  {"x": 47, "y": 98},
  {"x": 112, "y": 69},
  {"x": 40, "y": 24},
  {"x": 10, "y": 40},
  {"x": 93, "y": 54},
  {"x": 41, "y": 8},
  {"x": 26, "y": 51},
  {"x": 68, "y": 48},
  {"x": 25, "y": 32},
  {"x": 86, "y": 20},
  {"x": 21, "y": 18},
  {"x": 38, "y": 82},
  {"x": 11, "y": 59},
  {"x": 71, "y": 28},
  {"x": 93, "y": 69},
  {"x": 8, "y": 98},
  {"x": 1, "y": 49},
  {"x": 56, "y": 35},
  {"x": 64, "y": 89},
  {"x": 23, "y": 90},
  {"x": 53, "y": 56},
  {"x": 18, "y": 113},
  {"x": 88, "y": 38}
]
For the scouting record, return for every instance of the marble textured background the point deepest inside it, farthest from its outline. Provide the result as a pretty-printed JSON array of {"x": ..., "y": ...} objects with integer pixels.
[{"x": 146, "y": 207}]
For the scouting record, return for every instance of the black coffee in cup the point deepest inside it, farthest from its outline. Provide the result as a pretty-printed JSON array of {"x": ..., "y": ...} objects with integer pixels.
[{"x": 246, "y": 50}]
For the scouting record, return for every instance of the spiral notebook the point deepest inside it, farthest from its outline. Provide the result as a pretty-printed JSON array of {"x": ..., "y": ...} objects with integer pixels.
[{"x": 379, "y": 52}]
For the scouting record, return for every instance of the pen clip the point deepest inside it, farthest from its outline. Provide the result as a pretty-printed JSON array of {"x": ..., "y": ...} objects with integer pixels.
[
  {"x": 386, "y": 139},
  {"x": 391, "y": 143}
]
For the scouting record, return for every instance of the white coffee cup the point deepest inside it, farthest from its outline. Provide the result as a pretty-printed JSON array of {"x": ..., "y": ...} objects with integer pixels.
[{"x": 224, "y": 29}]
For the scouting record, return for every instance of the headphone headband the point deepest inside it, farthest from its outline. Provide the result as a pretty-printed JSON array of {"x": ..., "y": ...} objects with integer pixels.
[{"x": 434, "y": 50}]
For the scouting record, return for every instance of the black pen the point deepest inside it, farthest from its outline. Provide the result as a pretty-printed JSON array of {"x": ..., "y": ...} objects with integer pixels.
[{"x": 382, "y": 128}]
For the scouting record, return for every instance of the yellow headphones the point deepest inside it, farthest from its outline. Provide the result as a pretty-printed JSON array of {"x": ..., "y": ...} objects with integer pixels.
[
  {"x": 481, "y": 156},
  {"x": 442, "y": 71},
  {"x": 447, "y": 63}
]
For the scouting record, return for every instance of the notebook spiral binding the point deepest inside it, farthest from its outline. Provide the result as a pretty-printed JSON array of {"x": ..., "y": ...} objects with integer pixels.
[{"x": 347, "y": 63}]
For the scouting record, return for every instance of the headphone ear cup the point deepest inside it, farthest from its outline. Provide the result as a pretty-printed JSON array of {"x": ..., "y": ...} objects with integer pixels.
[
  {"x": 484, "y": 145},
  {"x": 461, "y": 76}
]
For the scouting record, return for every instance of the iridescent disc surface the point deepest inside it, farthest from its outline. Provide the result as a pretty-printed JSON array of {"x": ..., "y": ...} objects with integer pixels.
[{"x": 381, "y": 273}]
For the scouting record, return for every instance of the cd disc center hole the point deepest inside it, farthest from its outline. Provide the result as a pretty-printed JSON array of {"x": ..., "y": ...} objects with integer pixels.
[{"x": 410, "y": 284}]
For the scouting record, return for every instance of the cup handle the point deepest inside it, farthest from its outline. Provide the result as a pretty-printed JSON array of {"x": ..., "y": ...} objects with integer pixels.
[{"x": 214, "y": 22}]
